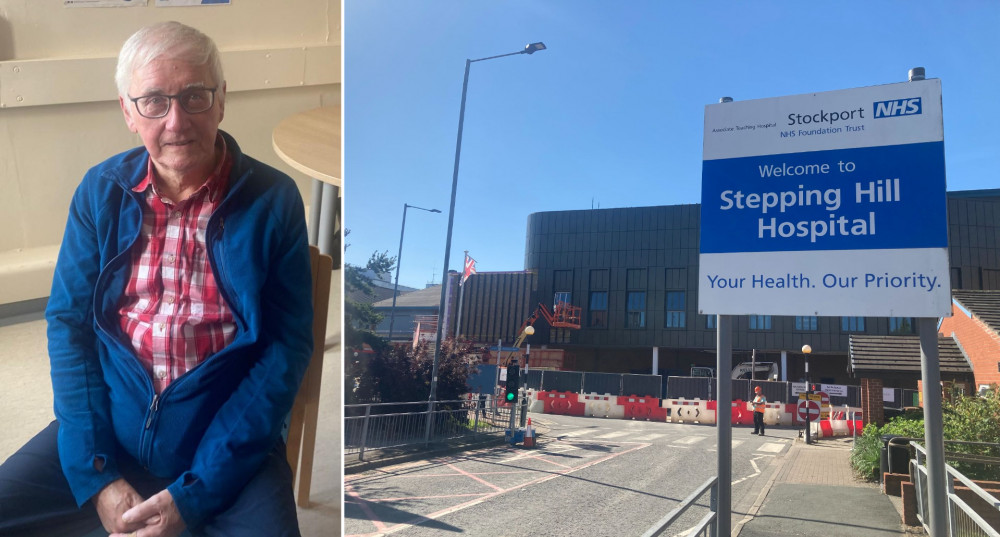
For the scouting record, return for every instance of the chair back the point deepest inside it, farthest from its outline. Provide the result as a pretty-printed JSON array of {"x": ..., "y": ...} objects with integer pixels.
[{"x": 301, "y": 444}]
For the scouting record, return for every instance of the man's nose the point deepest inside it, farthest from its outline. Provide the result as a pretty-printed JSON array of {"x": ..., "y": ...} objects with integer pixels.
[{"x": 176, "y": 116}]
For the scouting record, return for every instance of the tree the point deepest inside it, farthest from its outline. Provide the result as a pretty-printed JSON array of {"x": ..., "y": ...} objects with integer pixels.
[
  {"x": 360, "y": 318},
  {"x": 403, "y": 373}
]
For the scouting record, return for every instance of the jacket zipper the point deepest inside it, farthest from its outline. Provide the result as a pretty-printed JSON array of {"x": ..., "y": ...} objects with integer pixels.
[{"x": 153, "y": 407}]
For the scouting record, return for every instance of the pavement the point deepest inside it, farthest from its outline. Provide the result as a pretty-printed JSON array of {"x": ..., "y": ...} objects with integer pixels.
[{"x": 814, "y": 492}]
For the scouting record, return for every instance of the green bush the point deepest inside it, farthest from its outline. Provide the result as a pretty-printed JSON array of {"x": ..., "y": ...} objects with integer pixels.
[
  {"x": 866, "y": 452},
  {"x": 970, "y": 419},
  {"x": 974, "y": 419}
]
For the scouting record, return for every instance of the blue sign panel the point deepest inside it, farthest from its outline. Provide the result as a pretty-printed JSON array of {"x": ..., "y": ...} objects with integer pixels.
[
  {"x": 826, "y": 204},
  {"x": 864, "y": 198}
]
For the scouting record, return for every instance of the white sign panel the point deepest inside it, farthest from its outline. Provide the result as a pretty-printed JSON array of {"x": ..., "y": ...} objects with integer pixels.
[
  {"x": 888, "y": 395},
  {"x": 798, "y": 387},
  {"x": 834, "y": 390},
  {"x": 826, "y": 204}
]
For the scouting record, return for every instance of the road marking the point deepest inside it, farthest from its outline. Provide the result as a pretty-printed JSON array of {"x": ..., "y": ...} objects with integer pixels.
[
  {"x": 735, "y": 443},
  {"x": 648, "y": 437},
  {"x": 614, "y": 434},
  {"x": 689, "y": 440},
  {"x": 474, "y": 477},
  {"x": 756, "y": 471},
  {"x": 411, "y": 498},
  {"x": 579, "y": 432},
  {"x": 363, "y": 505},
  {"x": 421, "y": 476},
  {"x": 382, "y": 529},
  {"x": 559, "y": 448},
  {"x": 771, "y": 447}
]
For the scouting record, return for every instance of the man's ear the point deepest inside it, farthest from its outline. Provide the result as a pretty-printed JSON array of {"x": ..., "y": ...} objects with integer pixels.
[
  {"x": 127, "y": 112},
  {"x": 222, "y": 102}
]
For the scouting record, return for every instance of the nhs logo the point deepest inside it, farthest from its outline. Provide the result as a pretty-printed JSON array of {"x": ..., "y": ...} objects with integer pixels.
[{"x": 898, "y": 107}]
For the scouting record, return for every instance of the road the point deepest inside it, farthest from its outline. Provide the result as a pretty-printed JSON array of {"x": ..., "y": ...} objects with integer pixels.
[{"x": 587, "y": 476}]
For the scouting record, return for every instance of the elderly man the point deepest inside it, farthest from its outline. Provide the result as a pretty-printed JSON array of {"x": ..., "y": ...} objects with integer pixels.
[{"x": 179, "y": 324}]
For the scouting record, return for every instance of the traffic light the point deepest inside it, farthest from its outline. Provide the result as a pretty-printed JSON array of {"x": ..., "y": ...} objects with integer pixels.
[{"x": 513, "y": 379}]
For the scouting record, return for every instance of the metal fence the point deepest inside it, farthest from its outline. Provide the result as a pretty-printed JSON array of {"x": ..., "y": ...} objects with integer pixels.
[
  {"x": 963, "y": 521},
  {"x": 706, "y": 527},
  {"x": 375, "y": 427},
  {"x": 670, "y": 387},
  {"x": 775, "y": 391},
  {"x": 573, "y": 381}
]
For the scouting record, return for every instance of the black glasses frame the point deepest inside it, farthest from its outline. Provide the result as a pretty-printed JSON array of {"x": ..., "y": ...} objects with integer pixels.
[{"x": 171, "y": 99}]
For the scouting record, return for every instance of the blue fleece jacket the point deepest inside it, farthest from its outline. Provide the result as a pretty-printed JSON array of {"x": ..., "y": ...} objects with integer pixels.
[{"x": 211, "y": 428}]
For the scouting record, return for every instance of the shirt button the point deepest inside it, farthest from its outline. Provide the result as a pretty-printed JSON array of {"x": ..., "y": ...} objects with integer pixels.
[
  {"x": 177, "y": 214},
  {"x": 161, "y": 374},
  {"x": 161, "y": 326},
  {"x": 170, "y": 300},
  {"x": 170, "y": 259}
]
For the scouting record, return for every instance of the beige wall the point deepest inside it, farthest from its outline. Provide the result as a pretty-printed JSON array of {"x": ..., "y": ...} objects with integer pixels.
[{"x": 59, "y": 113}]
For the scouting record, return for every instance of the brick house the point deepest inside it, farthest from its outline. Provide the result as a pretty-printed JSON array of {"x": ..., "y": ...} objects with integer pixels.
[{"x": 975, "y": 325}]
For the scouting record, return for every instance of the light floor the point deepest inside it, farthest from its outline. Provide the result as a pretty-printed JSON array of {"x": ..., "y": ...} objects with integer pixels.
[{"x": 26, "y": 407}]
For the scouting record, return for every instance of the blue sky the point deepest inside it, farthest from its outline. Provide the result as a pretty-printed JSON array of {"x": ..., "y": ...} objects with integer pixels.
[{"x": 611, "y": 115}]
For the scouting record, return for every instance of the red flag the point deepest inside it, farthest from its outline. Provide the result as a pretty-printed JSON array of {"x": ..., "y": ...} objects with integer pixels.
[{"x": 470, "y": 269}]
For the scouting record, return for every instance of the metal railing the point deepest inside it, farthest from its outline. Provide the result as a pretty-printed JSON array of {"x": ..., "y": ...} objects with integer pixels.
[
  {"x": 384, "y": 426},
  {"x": 963, "y": 521},
  {"x": 706, "y": 526}
]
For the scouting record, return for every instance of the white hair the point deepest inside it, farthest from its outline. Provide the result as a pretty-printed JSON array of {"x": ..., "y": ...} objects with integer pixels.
[{"x": 166, "y": 40}]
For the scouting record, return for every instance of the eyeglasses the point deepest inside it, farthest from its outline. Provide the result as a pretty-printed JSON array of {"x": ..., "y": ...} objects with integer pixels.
[{"x": 192, "y": 101}]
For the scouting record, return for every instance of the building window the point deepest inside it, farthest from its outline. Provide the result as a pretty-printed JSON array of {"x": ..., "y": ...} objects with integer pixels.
[
  {"x": 562, "y": 296},
  {"x": 598, "y": 310},
  {"x": 900, "y": 325},
  {"x": 675, "y": 310},
  {"x": 760, "y": 322},
  {"x": 852, "y": 324},
  {"x": 807, "y": 323},
  {"x": 635, "y": 310},
  {"x": 710, "y": 322}
]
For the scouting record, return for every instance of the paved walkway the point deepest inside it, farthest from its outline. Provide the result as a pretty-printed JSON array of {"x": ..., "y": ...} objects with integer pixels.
[{"x": 814, "y": 492}]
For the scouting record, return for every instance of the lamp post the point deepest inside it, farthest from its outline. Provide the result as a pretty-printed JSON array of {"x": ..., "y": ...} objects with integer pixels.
[
  {"x": 528, "y": 330},
  {"x": 806, "y": 349},
  {"x": 399, "y": 257},
  {"x": 528, "y": 49}
]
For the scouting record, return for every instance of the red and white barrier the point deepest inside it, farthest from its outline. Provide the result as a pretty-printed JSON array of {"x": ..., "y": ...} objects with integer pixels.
[
  {"x": 602, "y": 406},
  {"x": 642, "y": 408},
  {"x": 565, "y": 403},
  {"x": 689, "y": 411},
  {"x": 684, "y": 411},
  {"x": 840, "y": 424}
]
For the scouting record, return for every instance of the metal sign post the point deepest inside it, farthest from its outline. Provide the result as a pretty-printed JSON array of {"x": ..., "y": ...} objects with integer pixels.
[
  {"x": 828, "y": 204},
  {"x": 930, "y": 371},
  {"x": 722, "y": 503}
]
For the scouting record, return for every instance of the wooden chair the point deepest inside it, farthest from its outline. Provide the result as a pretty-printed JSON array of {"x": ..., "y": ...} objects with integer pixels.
[{"x": 301, "y": 443}]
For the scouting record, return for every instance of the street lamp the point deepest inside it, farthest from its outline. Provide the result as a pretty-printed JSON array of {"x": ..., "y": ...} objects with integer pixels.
[
  {"x": 399, "y": 257},
  {"x": 806, "y": 349},
  {"x": 530, "y": 48}
]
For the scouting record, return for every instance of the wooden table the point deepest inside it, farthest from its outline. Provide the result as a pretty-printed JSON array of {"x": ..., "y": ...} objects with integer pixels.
[{"x": 310, "y": 142}]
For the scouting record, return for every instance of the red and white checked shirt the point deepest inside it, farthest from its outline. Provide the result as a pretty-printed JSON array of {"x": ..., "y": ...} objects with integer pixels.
[{"x": 172, "y": 309}]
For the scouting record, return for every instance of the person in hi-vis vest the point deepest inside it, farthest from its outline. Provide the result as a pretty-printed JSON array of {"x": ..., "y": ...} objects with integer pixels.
[{"x": 758, "y": 411}]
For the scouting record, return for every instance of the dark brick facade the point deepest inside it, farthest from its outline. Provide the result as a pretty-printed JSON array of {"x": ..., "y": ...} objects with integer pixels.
[{"x": 641, "y": 266}]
